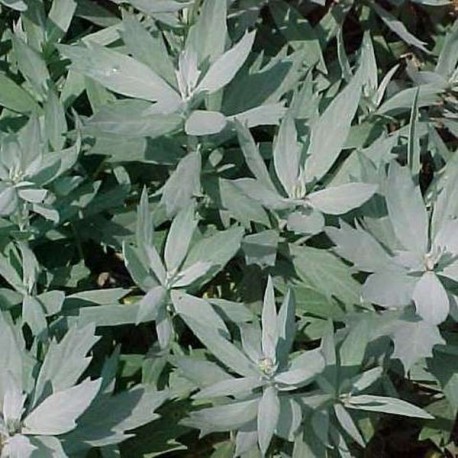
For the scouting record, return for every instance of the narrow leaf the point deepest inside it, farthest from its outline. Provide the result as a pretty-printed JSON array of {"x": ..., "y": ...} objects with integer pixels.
[
  {"x": 269, "y": 322},
  {"x": 253, "y": 158},
  {"x": 325, "y": 148},
  {"x": 383, "y": 404},
  {"x": 341, "y": 199},
  {"x": 223, "y": 70},
  {"x": 358, "y": 247},
  {"x": 58, "y": 413},
  {"x": 287, "y": 156},
  {"x": 268, "y": 413},
  {"x": 431, "y": 300},
  {"x": 205, "y": 123},
  {"x": 231, "y": 387},
  {"x": 179, "y": 238},
  {"x": 406, "y": 210},
  {"x": 122, "y": 74}
]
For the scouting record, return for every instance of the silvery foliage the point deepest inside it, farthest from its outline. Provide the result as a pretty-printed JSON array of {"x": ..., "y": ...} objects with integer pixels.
[
  {"x": 47, "y": 407},
  {"x": 250, "y": 138},
  {"x": 342, "y": 389},
  {"x": 27, "y": 168},
  {"x": 266, "y": 395},
  {"x": 178, "y": 91},
  {"x": 19, "y": 5},
  {"x": 185, "y": 265},
  {"x": 36, "y": 306},
  {"x": 301, "y": 164},
  {"x": 267, "y": 378},
  {"x": 425, "y": 256}
]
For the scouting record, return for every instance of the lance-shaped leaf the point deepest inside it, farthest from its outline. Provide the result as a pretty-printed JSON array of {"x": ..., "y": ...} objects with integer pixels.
[
  {"x": 406, "y": 210},
  {"x": 216, "y": 249},
  {"x": 223, "y": 70},
  {"x": 251, "y": 340},
  {"x": 399, "y": 28},
  {"x": 268, "y": 114},
  {"x": 253, "y": 158},
  {"x": 202, "y": 373},
  {"x": 15, "y": 98},
  {"x": 179, "y": 238},
  {"x": 58, "y": 413},
  {"x": 13, "y": 401},
  {"x": 270, "y": 330},
  {"x": 266, "y": 196},
  {"x": 164, "y": 328},
  {"x": 431, "y": 300},
  {"x": 414, "y": 339},
  {"x": 413, "y": 145},
  {"x": 325, "y": 147},
  {"x": 223, "y": 418},
  {"x": 348, "y": 424},
  {"x": 144, "y": 229},
  {"x": 286, "y": 326},
  {"x": 294, "y": 378},
  {"x": 307, "y": 365},
  {"x": 208, "y": 35},
  {"x": 150, "y": 303},
  {"x": 341, "y": 199},
  {"x": 400, "y": 292},
  {"x": 448, "y": 57},
  {"x": 365, "y": 380},
  {"x": 202, "y": 122},
  {"x": 122, "y": 74},
  {"x": 320, "y": 425},
  {"x": 240, "y": 206},
  {"x": 148, "y": 46},
  {"x": 191, "y": 274},
  {"x": 325, "y": 274},
  {"x": 9, "y": 199},
  {"x": 246, "y": 439},
  {"x": 132, "y": 118},
  {"x": 384, "y": 84},
  {"x": 354, "y": 346},
  {"x": 231, "y": 387},
  {"x": 59, "y": 18},
  {"x": 224, "y": 350},
  {"x": 196, "y": 310},
  {"x": 268, "y": 414},
  {"x": 137, "y": 268},
  {"x": 358, "y": 247},
  {"x": 183, "y": 184},
  {"x": 65, "y": 361},
  {"x": 11, "y": 356},
  {"x": 32, "y": 65},
  {"x": 384, "y": 404},
  {"x": 287, "y": 156},
  {"x": 107, "y": 420}
]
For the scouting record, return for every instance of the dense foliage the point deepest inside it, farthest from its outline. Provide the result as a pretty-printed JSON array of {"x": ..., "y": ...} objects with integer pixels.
[{"x": 228, "y": 228}]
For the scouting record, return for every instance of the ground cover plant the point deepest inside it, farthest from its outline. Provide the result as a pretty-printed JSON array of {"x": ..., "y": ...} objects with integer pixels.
[{"x": 228, "y": 228}]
